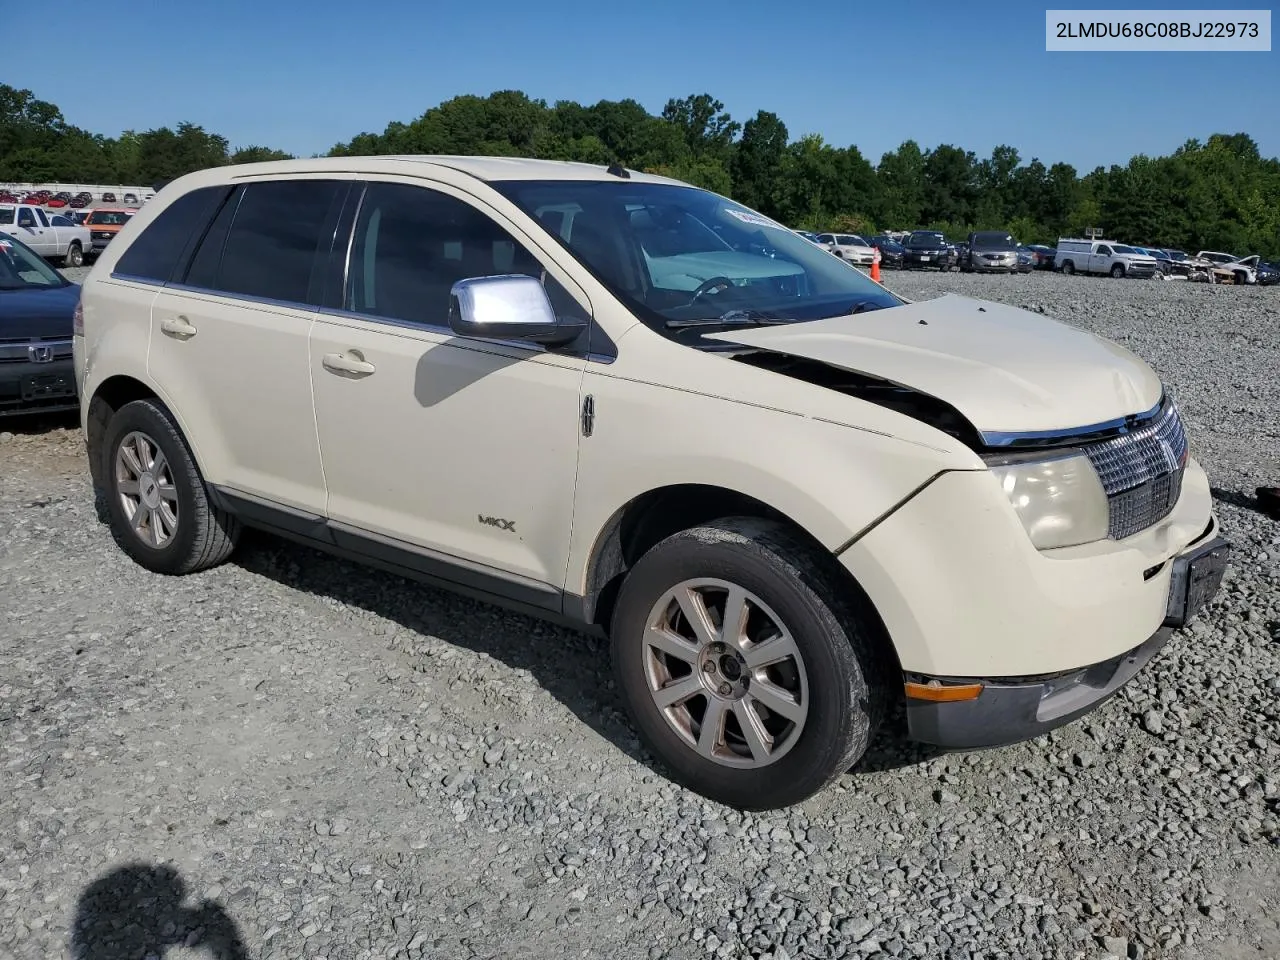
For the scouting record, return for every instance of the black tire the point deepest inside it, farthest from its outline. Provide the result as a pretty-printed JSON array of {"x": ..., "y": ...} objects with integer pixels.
[
  {"x": 1068, "y": 267},
  {"x": 847, "y": 665},
  {"x": 75, "y": 256},
  {"x": 1117, "y": 271},
  {"x": 205, "y": 536}
]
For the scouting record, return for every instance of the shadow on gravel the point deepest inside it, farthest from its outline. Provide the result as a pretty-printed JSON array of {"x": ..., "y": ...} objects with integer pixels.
[
  {"x": 32, "y": 424},
  {"x": 137, "y": 911},
  {"x": 572, "y": 666}
]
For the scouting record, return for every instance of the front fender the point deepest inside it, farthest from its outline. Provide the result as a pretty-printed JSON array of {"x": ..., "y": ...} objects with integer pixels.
[{"x": 833, "y": 481}]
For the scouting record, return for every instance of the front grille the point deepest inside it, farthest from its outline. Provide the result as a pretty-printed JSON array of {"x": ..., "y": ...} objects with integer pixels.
[
  {"x": 18, "y": 351},
  {"x": 1141, "y": 472}
]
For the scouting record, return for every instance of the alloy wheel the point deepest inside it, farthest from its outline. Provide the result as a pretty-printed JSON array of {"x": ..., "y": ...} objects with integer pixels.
[
  {"x": 725, "y": 673},
  {"x": 144, "y": 483}
]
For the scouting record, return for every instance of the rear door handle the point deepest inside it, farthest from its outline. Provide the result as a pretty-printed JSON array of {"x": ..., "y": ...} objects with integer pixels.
[
  {"x": 351, "y": 363},
  {"x": 179, "y": 327}
]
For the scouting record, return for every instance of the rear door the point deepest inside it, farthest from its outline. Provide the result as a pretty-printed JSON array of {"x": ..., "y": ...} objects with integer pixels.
[{"x": 229, "y": 340}]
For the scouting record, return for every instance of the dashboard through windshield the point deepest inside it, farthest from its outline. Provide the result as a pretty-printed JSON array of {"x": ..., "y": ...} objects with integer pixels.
[{"x": 680, "y": 256}]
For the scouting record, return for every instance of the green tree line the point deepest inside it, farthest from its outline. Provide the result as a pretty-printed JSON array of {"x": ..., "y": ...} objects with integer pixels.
[{"x": 1217, "y": 194}]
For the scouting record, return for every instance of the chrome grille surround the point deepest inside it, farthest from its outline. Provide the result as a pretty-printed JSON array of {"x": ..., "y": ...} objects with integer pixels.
[{"x": 1141, "y": 471}]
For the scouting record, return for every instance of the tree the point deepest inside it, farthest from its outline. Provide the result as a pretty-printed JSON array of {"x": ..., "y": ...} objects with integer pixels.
[
  {"x": 1215, "y": 193},
  {"x": 258, "y": 155},
  {"x": 757, "y": 163},
  {"x": 706, "y": 128}
]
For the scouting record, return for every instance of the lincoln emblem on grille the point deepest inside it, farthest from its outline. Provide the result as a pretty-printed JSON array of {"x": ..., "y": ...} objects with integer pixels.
[{"x": 40, "y": 354}]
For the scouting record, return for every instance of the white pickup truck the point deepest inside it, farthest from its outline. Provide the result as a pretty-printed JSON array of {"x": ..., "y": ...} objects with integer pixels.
[{"x": 31, "y": 225}]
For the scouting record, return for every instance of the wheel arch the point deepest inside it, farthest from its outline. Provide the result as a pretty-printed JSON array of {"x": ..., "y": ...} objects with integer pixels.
[
  {"x": 652, "y": 516},
  {"x": 108, "y": 397}
]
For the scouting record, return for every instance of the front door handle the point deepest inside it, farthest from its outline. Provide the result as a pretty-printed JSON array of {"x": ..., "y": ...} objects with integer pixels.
[
  {"x": 351, "y": 363},
  {"x": 179, "y": 327}
]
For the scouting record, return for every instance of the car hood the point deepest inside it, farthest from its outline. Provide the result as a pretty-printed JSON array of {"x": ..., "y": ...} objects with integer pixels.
[
  {"x": 1006, "y": 370},
  {"x": 37, "y": 312}
]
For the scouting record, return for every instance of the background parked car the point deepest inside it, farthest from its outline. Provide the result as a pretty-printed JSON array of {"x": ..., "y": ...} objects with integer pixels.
[
  {"x": 925, "y": 249},
  {"x": 850, "y": 247},
  {"x": 1026, "y": 259},
  {"x": 891, "y": 251},
  {"x": 1042, "y": 256},
  {"x": 989, "y": 250},
  {"x": 104, "y": 224},
  {"x": 37, "y": 306},
  {"x": 108, "y": 197}
]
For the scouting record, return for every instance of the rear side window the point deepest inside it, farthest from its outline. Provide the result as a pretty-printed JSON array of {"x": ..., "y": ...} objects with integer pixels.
[
  {"x": 155, "y": 252},
  {"x": 6, "y": 215},
  {"x": 269, "y": 246}
]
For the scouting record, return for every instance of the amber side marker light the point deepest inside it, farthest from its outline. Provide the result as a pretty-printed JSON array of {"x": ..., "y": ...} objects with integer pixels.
[{"x": 939, "y": 694}]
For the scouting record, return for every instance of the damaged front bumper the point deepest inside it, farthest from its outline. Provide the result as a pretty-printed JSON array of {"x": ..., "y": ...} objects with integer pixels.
[{"x": 965, "y": 713}]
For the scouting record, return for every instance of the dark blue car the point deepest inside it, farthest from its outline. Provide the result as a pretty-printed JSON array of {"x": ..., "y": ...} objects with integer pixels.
[{"x": 37, "y": 307}]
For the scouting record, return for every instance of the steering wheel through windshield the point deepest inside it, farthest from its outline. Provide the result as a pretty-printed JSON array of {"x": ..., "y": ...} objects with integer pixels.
[{"x": 707, "y": 286}]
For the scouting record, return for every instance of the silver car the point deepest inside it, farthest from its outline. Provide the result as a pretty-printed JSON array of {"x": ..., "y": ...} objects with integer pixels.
[{"x": 850, "y": 247}]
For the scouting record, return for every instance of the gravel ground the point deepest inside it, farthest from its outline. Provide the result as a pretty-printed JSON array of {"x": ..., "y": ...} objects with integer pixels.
[{"x": 290, "y": 756}]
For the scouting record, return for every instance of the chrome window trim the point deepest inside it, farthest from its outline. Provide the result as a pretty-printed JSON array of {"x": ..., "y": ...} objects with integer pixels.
[
  {"x": 243, "y": 297},
  {"x": 149, "y": 281},
  {"x": 447, "y": 331}
]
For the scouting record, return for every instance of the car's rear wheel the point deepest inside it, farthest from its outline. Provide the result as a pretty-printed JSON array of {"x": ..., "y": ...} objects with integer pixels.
[
  {"x": 1068, "y": 267},
  {"x": 75, "y": 256},
  {"x": 745, "y": 663},
  {"x": 158, "y": 506}
]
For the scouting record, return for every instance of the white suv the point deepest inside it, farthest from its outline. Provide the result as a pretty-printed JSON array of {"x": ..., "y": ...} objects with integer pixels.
[{"x": 790, "y": 498}]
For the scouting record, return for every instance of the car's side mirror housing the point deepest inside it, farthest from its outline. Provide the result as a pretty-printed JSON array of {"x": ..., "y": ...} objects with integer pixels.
[{"x": 509, "y": 307}]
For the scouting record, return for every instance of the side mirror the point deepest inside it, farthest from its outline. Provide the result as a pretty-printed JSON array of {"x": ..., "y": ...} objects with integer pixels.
[{"x": 509, "y": 307}]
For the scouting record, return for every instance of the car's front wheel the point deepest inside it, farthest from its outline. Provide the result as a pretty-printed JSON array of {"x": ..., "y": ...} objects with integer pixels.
[
  {"x": 746, "y": 663},
  {"x": 159, "y": 509}
]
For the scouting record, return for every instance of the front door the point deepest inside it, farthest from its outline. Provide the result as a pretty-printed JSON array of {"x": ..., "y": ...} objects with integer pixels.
[
  {"x": 462, "y": 452},
  {"x": 32, "y": 230}
]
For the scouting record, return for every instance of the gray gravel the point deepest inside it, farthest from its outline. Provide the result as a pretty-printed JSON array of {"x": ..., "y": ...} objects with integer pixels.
[{"x": 291, "y": 756}]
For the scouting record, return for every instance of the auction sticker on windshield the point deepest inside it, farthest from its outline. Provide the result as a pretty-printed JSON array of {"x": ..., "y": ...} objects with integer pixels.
[{"x": 746, "y": 216}]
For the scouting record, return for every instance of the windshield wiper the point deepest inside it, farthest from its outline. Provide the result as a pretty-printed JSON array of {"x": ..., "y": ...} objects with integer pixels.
[
  {"x": 860, "y": 307},
  {"x": 734, "y": 318}
]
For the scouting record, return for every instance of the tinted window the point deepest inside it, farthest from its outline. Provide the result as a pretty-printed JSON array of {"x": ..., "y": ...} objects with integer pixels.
[
  {"x": 203, "y": 271},
  {"x": 26, "y": 218},
  {"x": 271, "y": 246},
  {"x": 154, "y": 253},
  {"x": 412, "y": 245},
  {"x": 6, "y": 215}
]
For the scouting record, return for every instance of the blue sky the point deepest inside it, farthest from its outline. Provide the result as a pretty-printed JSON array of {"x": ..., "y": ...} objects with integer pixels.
[{"x": 302, "y": 76}]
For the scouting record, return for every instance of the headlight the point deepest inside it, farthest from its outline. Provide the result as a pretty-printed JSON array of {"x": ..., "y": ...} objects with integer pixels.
[{"x": 1059, "y": 499}]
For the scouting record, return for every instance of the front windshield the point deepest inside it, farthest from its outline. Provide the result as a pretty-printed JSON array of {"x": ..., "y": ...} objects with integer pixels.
[
  {"x": 22, "y": 268},
  {"x": 994, "y": 240},
  {"x": 1121, "y": 248},
  {"x": 849, "y": 240},
  {"x": 108, "y": 218},
  {"x": 923, "y": 238},
  {"x": 678, "y": 255}
]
